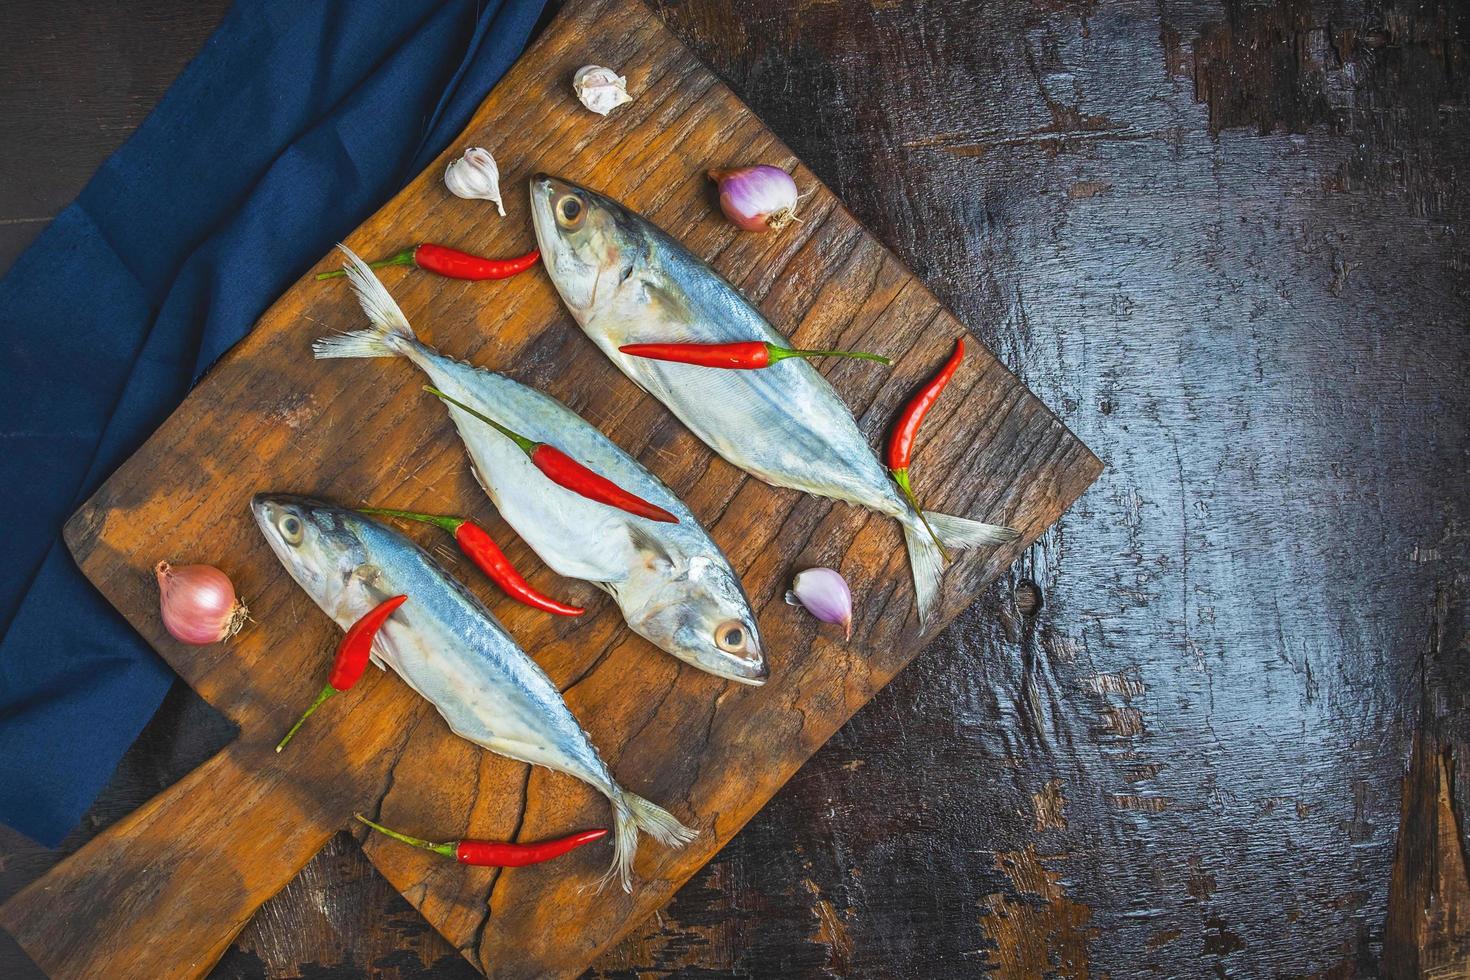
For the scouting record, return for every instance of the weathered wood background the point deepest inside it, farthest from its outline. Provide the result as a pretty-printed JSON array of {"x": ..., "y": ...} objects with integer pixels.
[
  {"x": 268, "y": 416},
  {"x": 1225, "y": 243}
]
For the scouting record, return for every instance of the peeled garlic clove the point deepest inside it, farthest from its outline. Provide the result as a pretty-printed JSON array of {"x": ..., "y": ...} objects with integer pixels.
[
  {"x": 601, "y": 89},
  {"x": 824, "y": 594},
  {"x": 475, "y": 176}
]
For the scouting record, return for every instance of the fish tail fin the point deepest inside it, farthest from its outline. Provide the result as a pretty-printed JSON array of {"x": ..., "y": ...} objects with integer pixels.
[
  {"x": 927, "y": 565},
  {"x": 925, "y": 559},
  {"x": 390, "y": 327},
  {"x": 961, "y": 533},
  {"x": 631, "y": 814}
]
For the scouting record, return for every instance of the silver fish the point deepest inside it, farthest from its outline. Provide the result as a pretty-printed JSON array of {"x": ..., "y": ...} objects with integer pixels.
[
  {"x": 452, "y": 651},
  {"x": 673, "y": 584},
  {"x": 628, "y": 282}
]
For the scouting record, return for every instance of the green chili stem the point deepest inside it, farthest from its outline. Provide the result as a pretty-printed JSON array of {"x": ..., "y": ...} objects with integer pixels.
[
  {"x": 327, "y": 692},
  {"x": 781, "y": 353},
  {"x": 446, "y": 849},
  {"x": 402, "y": 258},
  {"x": 901, "y": 477},
  {"x": 528, "y": 446},
  {"x": 450, "y": 524}
]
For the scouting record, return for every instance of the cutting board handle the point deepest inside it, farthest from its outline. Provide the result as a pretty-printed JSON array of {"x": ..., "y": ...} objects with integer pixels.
[{"x": 163, "y": 892}]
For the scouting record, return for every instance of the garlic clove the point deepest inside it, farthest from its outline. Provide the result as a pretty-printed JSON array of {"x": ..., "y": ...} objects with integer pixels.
[
  {"x": 600, "y": 89},
  {"x": 475, "y": 176}
]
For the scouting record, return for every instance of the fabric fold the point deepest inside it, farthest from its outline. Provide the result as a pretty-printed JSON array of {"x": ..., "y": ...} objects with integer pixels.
[{"x": 293, "y": 124}]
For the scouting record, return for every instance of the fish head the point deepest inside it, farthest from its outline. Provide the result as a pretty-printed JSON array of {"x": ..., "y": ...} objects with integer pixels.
[
  {"x": 697, "y": 610},
  {"x": 323, "y": 547},
  {"x": 591, "y": 245}
]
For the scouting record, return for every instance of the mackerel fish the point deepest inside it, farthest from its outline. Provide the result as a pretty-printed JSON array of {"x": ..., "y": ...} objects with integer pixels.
[
  {"x": 672, "y": 583},
  {"x": 451, "y": 650},
  {"x": 626, "y": 281}
]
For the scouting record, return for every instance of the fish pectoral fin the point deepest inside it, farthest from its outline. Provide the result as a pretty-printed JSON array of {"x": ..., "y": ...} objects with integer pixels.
[
  {"x": 379, "y": 652},
  {"x": 668, "y": 306},
  {"x": 650, "y": 550},
  {"x": 369, "y": 578},
  {"x": 480, "y": 479}
]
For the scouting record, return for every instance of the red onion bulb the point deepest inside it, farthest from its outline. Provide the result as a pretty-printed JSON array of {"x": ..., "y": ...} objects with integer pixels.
[
  {"x": 757, "y": 198},
  {"x": 825, "y": 595},
  {"x": 198, "y": 603}
]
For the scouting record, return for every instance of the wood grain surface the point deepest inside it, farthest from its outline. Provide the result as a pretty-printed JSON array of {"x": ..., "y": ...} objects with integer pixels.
[
  {"x": 1226, "y": 243},
  {"x": 270, "y": 418}
]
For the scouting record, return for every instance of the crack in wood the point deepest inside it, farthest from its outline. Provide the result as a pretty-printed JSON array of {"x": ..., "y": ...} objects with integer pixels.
[
  {"x": 392, "y": 776},
  {"x": 478, "y": 936}
]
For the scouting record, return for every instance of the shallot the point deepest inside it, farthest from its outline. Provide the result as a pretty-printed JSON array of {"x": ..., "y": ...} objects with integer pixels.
[
  {"x": 824, "y": 594},
  {"x": 759, "y": 198},
  {"x": 198, "y": 603}
]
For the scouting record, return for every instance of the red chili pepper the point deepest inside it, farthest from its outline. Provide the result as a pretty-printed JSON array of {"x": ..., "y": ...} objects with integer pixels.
[
  {"x": 901, "y": 441},
  {"x": 481, "y": 549},
  {"x": 452, "y": 262},
  {"x": 743, "y": 356},
  {"x": 496, "y": 854},
  {"x": 353, "y": 653},
  {"x": 564, "y": 471}
]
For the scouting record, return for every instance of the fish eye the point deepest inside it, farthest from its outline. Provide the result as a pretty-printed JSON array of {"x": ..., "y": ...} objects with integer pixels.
[
  {"x": 569, "y": 211},
  {"x": 290, "y": 526},
  {"x": 730, "y": 637}
]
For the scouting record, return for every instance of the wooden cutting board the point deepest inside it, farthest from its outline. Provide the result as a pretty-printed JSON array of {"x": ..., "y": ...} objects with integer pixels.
[{"x": 164, "y": 891}]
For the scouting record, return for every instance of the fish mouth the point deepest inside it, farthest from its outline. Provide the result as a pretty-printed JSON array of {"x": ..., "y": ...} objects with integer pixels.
[
  {"x": 543, "y": 222},
  {"x": 545, "y": 189},
  {"x": 750, "y": 669},
  {"x": 753, "y": 672},
  {"x": 547, "y": 185},
  {"x": 265, "y": 506}
]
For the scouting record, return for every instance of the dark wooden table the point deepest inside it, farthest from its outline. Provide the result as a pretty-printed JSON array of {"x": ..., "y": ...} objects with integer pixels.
[{"x": 1214, "y": 723}]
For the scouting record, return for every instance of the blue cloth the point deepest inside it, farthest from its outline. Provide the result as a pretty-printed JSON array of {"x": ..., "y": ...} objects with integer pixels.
[{"x": 295, "y": 122}]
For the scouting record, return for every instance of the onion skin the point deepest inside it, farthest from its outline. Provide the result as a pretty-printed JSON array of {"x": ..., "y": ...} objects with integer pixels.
[
  {"x": 198, "y": 603},
  {"x": 761, "y": 198}
]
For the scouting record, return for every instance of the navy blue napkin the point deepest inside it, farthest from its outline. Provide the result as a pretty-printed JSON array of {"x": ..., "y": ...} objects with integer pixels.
[{"x": 296, "y": 122}]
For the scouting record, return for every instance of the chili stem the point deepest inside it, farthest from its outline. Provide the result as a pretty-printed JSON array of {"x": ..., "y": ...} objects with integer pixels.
[
  {"x": 901, "y": 477},
  {"x": 528, "y": 446},
  {"x": 402, "y": 258},
  {"x": 446, "y": 849},
  {"x": 778, "y": 355},
  {"x": 327, "y": 692},
  {"x": 450, "y": 524}
]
